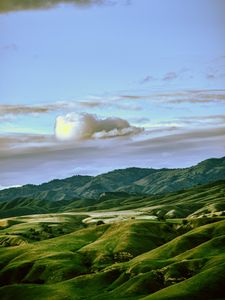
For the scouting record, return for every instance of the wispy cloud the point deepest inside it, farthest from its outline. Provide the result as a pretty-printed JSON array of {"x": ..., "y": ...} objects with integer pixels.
[
  {"x": 185, "y": 137},
  {"x": 206, "y": 119},
  {"x": 182, "y": 73},
  {"x": 147, "y": 79},
  {"x": 7, "y": 110},
  {"x": 16, "y": 144},
  {"x": 179, "y": 97},
  {"x": 215, "y": 75},
  {"x": 210, "y": 76},
  {"x": 199, "y": 96},
  {"x": 133, "y": 97},
  {"x": 170, "y": 76}
]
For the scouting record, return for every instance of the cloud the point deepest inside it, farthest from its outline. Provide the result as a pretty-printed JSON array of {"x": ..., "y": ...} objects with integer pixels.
[
  {"x": 110, "y": 103},
  {"x": 214, "y": 76},
  {"x": 170, "y": 76},
  {"x": 118, "y": 132},
  {"x": 17, "y": 5},
  {"x": 178, "y": 139},
  {"x": 183, "y": 73},
  {"x": 210, "y": 76},
  {"x": 91, "y": 104},
  {"x": 6, "y": 109},
  {"x": 11, "y": 110},
  {"x": 178, "y": 97},
  {"x": 86, "y": 126},
  {"x": 133, "y": 97},
  {"x": 203, "y": 120},
  {"x": 141, "y": 120},
  {"x": 20, "y": 144},
  {"x": 199, "y": 96},
  {"x": 147, "y": 79}
]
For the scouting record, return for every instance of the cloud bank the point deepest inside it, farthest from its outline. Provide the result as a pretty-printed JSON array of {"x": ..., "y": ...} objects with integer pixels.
[{"x": 72, "y": 127}]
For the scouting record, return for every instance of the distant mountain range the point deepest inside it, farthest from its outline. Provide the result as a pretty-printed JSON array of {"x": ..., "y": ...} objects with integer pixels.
[{"x": 134, "y": 181}]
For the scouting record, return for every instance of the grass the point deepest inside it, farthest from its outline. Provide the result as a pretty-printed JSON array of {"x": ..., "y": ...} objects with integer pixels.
[{"x": 132, "y": 259}]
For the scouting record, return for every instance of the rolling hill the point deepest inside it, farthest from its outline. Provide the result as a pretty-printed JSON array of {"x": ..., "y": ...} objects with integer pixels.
[{"x": 59, "y": 257}]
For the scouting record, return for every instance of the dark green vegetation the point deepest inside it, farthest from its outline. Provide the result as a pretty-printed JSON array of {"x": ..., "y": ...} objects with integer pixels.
[{"x": 57, "y": 244}]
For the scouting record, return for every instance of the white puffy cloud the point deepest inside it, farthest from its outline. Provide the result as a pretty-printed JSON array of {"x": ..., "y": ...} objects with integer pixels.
[{"x": 86, "y": 126}]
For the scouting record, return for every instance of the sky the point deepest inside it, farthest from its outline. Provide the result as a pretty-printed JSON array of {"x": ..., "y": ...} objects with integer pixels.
[{"x": 90, "y": 86}]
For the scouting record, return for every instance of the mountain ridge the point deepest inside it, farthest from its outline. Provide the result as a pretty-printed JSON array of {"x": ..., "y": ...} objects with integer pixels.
[{"x": 132, "y": 180}]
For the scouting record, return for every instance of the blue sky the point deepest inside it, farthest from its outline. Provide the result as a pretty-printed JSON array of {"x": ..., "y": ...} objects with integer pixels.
[{"x": 159, "y": 66}]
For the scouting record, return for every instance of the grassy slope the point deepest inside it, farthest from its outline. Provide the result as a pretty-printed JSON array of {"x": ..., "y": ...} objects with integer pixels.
[{"x": 136, "y": 259}]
